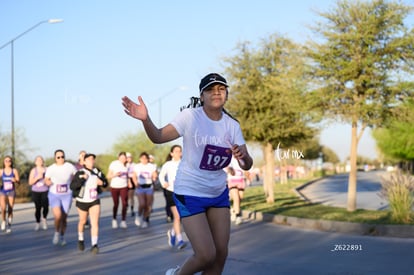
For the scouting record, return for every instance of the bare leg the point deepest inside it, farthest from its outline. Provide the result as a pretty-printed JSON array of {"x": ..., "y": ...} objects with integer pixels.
[
  {"x": 209, "y": 234},
  {"x": 95, "y": 212}
]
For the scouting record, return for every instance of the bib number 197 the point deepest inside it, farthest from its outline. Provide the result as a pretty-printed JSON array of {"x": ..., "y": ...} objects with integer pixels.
[{"x": 215, "y": 158}]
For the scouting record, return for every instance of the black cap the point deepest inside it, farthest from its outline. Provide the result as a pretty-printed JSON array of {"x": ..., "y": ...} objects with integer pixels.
[
  {"x": 211, "y": 79},
  {"x": 87, "y": 155}
]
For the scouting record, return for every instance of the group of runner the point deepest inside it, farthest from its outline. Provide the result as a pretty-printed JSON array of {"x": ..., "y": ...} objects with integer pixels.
[{"x": 201, "y": 196}]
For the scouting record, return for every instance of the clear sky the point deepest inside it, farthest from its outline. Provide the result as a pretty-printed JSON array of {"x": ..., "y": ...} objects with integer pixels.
[{"x": 69, "y": 77}]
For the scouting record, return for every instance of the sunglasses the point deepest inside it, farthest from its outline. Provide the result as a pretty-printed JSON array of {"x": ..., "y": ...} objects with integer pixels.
[{"x": 60, "y": 157}]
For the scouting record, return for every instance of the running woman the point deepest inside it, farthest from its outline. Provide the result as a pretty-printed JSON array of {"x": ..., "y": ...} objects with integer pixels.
[
  {"x": 118, "y": 175},
  {"x": 9, "y": 179},
  {"x": 58, "y": 177},
  {"x": 167, "y": 178},
  {"x": 39, "y": 192},
  {"x": 236, "y": 181},
  {"x": 210, "y": 138},
  {"x": 85, "y": 184},
  {"x": 145, "y": 173}
]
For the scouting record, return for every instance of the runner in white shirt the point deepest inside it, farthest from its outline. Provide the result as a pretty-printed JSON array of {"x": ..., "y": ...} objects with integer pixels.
[
  {"x": 210, "y": 138},
  {"x": 118, "y": 175},
  {"x": 58, "y": 177},
  {"x": 167, "y": 179},
  {"x": 145, "y": 173}
]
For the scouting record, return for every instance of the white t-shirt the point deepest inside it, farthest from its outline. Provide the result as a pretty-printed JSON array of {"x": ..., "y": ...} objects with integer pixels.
[
  {"x": 144, "y": 172},
  {"x": 122, "y": 180},
  {"x": 206, "y": 151},
  {"x": 61, "y": 176},
  {"x": 168, "y": 173},
  {"x": 91, "y": 188}
]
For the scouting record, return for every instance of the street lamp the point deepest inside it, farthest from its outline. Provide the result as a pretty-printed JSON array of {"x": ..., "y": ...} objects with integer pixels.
[{"x": 11, "y": 42}]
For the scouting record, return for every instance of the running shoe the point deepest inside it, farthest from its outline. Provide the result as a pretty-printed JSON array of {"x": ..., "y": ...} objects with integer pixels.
[
  {"x": 123, "y": 224},
  {"x": 81, "y": 245},
  {"x": 114, "y": 224},
  {"x": 232, "y": 215},
  {"x": 171, "y": 239},
  {"x": 95, "y": 249},
  {"x": 172, "y": 271},
  {"x": 62, "y": 241},
  {"x": 144, "y": 225},
  {"x": 3, "y": 225},
  {"x": 181, "y": 245},
  {"x": 138, "y": 221},
  {"x": 55, "y": 240},
  {"x": 37, "y": 226},
  {"x": 44, "y": 224},
  {"x": 8, "y": 229},
  {"x": 239, "y": 220}
]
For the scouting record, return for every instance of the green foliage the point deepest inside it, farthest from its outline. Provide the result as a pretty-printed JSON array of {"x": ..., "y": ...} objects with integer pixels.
[
  {"x": 311, "y": 148},
  {"x": 268, "y": 92},
  {"x": 329, "y": 155},
  {"x": 365, "y": 45},
  {"x": 21, "y": 146},
  {"x": 398, "y": 189},
  {"x": 396, "y": 138}
]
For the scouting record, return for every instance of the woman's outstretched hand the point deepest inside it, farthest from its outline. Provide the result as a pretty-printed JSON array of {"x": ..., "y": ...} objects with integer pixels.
[{"x": 138, "y": 111}]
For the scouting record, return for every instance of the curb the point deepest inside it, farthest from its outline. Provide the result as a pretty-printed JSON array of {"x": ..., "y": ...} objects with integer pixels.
[{"x": 398, "y": 231}]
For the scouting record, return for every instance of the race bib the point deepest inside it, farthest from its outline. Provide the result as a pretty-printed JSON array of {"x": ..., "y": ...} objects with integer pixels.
[
  {"x": 7, "y": 186},
  {"x": 61, "y": 188},
  {"x": 215, "y": 158},
  {"x": 145, "y": 178},
  {"x": 93, "y": 193}
]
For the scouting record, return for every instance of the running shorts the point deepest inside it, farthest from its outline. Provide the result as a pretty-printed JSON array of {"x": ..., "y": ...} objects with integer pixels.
[{"x": 192, "y": 205}]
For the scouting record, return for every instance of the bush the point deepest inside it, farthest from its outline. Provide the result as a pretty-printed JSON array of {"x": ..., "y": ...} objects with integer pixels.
[
  {"x": 23, "y": 192},
  {"x": 398, "y": 189}
]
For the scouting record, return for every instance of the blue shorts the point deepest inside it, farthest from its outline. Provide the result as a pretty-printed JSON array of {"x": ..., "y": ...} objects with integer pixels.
[
  {"x": 63, "y": 201},
  {"x": 192, "y": 205},
  {"x": 9, "y": 193},
  {"x": 147, "y": 191}
]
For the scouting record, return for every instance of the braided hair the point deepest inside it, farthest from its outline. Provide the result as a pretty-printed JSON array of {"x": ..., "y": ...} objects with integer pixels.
[{"x": 196, "y": 102}]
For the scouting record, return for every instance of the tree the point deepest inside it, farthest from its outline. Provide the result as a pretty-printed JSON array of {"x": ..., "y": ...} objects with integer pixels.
[
  {"x": 395, "y": 139},
  {"x": 21, "y": 146},
  {"x": 329, "y": 155},
  {"x": 268, "y": 97},
  {"x": 359, "y": 65},
  {"x": 311, "y": 148}
]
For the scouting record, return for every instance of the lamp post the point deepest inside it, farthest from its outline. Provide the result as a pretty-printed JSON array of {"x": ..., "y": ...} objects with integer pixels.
[{"x": 11, "y": 43}]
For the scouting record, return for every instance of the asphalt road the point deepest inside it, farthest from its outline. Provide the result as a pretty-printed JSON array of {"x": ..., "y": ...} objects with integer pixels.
[
  {"x": 333, "y": 191},
  {"x": 255, "y": 248}
]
